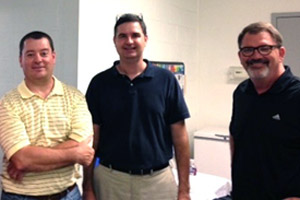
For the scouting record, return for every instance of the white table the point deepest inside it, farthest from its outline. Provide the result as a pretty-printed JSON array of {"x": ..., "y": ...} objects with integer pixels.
[{"x": 207, "y": 187}]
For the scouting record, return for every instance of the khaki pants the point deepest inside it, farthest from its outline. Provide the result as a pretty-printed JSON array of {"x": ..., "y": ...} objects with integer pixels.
[{"x": 114, "y": 185}]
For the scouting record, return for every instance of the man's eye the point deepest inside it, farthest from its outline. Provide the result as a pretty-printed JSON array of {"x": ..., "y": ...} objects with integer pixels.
[
  {"x": 29, "y": 55},
  {"x": 136, "y": 35},
  {"x": 264, "y": 49},
  {"x": 122, "y": 36},
  {"x": 43, "y": 54},
  {"x": 246, "y": 50}
]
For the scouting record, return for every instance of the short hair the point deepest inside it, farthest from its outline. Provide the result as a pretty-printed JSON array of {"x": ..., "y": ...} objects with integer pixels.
[
  {"x": 35, "y": 35},
  {"x": 258, "y": 27},
  {"x": 128, "y": 17}
]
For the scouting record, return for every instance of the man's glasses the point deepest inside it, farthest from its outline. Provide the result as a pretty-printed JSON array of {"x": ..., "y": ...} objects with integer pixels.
[
  {"x": 139, "y": 16},
  {"x": 263, "y": 50}
]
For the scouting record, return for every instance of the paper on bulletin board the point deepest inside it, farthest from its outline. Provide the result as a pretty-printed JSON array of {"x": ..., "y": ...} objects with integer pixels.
[{"x": 177, "y": 68}]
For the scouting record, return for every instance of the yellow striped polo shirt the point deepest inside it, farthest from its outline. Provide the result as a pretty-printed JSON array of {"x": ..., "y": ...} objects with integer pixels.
[{"x": 27, "y": 119}]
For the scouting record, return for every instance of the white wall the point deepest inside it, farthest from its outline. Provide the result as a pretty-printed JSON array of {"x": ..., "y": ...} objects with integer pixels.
[
  {"x": 58, "y": 18},
  {"x": 220, "y": 22}
]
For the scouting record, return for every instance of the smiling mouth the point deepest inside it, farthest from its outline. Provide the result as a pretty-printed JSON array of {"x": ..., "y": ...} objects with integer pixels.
[
  {"x": 129, "y": 49},
  {"x": 38, "y": 68}
]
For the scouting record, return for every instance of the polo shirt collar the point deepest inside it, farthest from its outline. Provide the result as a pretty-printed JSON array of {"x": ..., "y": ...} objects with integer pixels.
[
  {"x": 283, "y": 81},
  {"x": 26, "y": 93},
  {"x": 148, "y": 72}
]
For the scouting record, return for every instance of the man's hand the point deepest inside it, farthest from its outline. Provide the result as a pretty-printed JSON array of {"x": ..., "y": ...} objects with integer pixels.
[
  {"x": 85, "y": 153},
  {"x": 14, "y": 173},
  {"x": 81, "y": 153},
  {"x": 88, "y": 195},
  {"x": 183, "y": 196}
]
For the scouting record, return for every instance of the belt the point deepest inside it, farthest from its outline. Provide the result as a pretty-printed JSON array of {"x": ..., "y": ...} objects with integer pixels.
[
  {"x": 135, "y": 171},
  {"x": 57, "y": 196}
]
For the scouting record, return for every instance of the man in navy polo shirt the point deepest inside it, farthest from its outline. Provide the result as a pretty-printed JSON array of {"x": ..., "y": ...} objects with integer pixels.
[
  {"x": 138, "y": 114},
  {"x": 265, "y": 125}
]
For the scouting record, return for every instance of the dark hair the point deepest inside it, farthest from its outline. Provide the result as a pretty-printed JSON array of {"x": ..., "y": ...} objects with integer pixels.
[
  {"x": 258, "y": 27},
  {"x": 35, "y": 35},
  {"x": 128, "y": 17}
]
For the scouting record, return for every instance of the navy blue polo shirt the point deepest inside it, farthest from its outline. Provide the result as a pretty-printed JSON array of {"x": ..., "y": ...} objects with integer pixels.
[
  {"x": 135, "y": 116},
  {"x": 266, "y": 132}
]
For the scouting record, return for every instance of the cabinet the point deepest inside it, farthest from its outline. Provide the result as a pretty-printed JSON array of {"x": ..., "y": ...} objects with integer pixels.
[{"x": 212, "y": 151}]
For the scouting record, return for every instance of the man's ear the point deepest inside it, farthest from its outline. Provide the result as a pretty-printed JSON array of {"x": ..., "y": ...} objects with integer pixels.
[
  {"x": 54, "y": 56},
  {"x": 20, "y": 61},
  {"x": 282, "y": 52},
  {"x": 114, "y": 40},
  {"x": 239, "y": 55}
]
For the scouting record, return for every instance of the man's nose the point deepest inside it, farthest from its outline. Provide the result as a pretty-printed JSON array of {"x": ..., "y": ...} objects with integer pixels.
[
  {"x": 129, "y": 40},
  {"x": 37, "y": 58}
]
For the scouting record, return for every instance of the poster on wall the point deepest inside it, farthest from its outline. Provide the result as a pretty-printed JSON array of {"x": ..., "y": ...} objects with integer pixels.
[{"x": 177, "y": 68}]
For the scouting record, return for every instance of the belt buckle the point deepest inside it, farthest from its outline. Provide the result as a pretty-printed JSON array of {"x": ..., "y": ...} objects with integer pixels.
[
  {"x": 54, "y": 197},
  {"x": 59, "y": 195}
]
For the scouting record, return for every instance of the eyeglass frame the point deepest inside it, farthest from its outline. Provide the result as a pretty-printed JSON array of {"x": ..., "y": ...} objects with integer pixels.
[
  {"x": 138, "y": 15},
  {"x": 257, "y": 48}
]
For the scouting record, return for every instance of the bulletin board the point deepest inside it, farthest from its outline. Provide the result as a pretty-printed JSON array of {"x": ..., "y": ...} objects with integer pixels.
[{"x": 177, "y": 68}]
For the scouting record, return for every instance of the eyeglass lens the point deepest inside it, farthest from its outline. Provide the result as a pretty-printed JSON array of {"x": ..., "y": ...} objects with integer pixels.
[{"x": 263, "y": 50}]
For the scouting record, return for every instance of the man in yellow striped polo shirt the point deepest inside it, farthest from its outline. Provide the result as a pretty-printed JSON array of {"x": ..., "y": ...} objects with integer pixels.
[{"x": 45, "y": 129}]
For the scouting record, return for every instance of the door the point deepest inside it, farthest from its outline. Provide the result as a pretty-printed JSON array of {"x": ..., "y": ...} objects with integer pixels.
[{"x": 288, "y": 25}]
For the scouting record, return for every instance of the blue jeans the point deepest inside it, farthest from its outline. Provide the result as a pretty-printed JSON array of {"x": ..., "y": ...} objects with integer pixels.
[{"x": 72, "y": 195}]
